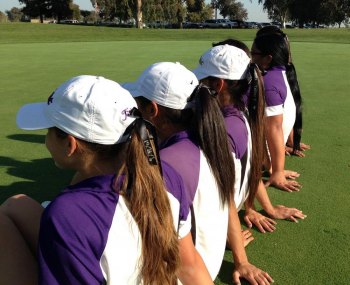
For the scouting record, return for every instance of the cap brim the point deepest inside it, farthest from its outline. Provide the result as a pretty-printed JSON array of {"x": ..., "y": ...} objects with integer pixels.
[
  {"x": 200, "y": 73},
  {"x": 32, "y": 117},
  {"x": 132, "y": 87}
]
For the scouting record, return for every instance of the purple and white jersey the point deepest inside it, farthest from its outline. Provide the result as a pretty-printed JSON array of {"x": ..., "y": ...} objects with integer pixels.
[
  {"x": 209, "y": 217},
  {"x": 240, "y": 140},
  {"x": 279, "y": 98},
  {"x": 88, "y": 235}
]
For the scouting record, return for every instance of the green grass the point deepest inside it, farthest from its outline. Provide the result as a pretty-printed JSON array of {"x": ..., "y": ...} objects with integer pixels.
[{"x": 37, "y": 58}]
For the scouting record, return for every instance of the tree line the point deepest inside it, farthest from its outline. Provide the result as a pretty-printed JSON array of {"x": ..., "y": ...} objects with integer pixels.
[{"x": 316, "y": 12}]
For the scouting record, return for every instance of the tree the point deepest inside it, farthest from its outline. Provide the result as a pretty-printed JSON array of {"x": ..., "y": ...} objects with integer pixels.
[
  {"x": 3, "y": 17},
  {"x": 232, "y": 9},
  {"x": 14, "y": 15},
  {"x": 61, "y": 9},
  {"x": 278, "y": 9},
  {"x": 47, "y": 8},
  {"x": 306, "y": 12},
  {"x": 338, "y": 11},
  {"x": 215, "y": 5},
  {"x": 36, "y": 8},
  {"x": 201, "y": 16},
  {"x": 75, "y": 11}
]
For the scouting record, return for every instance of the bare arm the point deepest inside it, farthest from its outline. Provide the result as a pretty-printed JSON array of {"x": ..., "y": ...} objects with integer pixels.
[
  {"x": 274, "y": 136},
  {"x": 243, "y": 269},
  {"x": 192, "y": 268}
]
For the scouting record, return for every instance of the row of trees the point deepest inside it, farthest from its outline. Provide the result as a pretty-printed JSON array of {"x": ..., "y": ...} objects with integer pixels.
[
  {"x": 58, "y": 9},
  {"x": 171, "y": 11},
  {"x": 317, "y": 12},
  {"x": 137, "y": 11},
  {"x": 327, "y": 12}
]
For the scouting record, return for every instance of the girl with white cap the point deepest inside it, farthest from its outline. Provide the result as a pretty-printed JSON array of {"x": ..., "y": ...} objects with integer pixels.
[
  {"x": 227, "y": 70},
  {"x": 113, "y": 224},
  {"x": 194, "y": 142}
]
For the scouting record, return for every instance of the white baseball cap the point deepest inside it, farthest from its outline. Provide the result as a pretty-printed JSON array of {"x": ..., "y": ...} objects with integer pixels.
[
  {"x": 87, "y": 107},
  {"x": 168, "y": 84},
  {"x": 223, "y": 61}
]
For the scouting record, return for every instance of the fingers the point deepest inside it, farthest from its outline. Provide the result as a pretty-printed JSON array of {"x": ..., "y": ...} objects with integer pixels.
[
  {"x": 299, "y": 153},
  {"x": 266, "y": 224},
  {"x": 289, "y": 186},
  {"x": 304, "y": 146},
  {"x": 291, "y": 174},
  {"x": 292, "y": 214},
  {"x": 236, "y": 280},
  {"x": 263, "y": 279},
  {"x": 247, "y": 237},
  {"x": 260, "y": 278},
  {"x": 248, "y": 222}
]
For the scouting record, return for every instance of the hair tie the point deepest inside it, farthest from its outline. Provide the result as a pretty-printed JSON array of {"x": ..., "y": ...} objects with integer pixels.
[{"x": 199, "y": 87}]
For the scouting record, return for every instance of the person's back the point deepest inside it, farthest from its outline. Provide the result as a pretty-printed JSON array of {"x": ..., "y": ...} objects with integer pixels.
[
  {"x": 113, "y": 224},
  {"x": 209, "y": 222},
  {"x": 169, "y": 96}
]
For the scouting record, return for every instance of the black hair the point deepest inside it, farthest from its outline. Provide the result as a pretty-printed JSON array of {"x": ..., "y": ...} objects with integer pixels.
[
  {"x": 236, "y": 43},
  {"x": 255, "y": 114},
  {"x": 204, "y": 122},
  {"x": 276, "y": 46},
  {"x": 208, "y": 128}
]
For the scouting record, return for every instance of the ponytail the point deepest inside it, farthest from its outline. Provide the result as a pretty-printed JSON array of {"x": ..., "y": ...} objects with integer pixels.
[
  {"x": 147, "y": 200},
  {"x": 208, "y": 129},
  {"x": 294, "y": 87},
  {"x": 256, "y": 109}
]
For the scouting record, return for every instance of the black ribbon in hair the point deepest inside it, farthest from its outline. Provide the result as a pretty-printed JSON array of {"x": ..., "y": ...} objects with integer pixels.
[
  {"x": 254, "y": 87},
  {"x": 147, "y": 133}
]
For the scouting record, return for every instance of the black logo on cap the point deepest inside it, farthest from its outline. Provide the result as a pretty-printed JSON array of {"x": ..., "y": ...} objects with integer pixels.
[{"x": 50, "y": 99}]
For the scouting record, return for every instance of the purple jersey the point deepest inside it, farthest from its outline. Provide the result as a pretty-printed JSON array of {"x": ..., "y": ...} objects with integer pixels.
[
  {"x": 279, "y": 98},
  {"x": 209, "y": 216},
  {"x": 239, "y": 136},
  {"x": 88, "y": 235}
]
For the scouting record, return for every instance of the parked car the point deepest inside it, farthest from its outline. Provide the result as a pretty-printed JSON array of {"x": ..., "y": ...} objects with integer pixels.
[
  {"x": 261, "y": 25},
  {"x": 215, "y": 24},
  {"x": 251, "y": 25},
  {"x": 239, "y": 24},
  {"x": 191, "y": 25},
  {"x": 228, "y": 23},
  {"x": 277, "y": 24}
]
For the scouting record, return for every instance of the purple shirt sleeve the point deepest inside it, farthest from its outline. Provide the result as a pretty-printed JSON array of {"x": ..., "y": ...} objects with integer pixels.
[
  {"x": 184, "y": 156},
  {"x": 275, "y": 87},
  {"x": 73, "y": 234},
  {"x": 236, "y": 130},
  {"x": 175, "y": 186}
]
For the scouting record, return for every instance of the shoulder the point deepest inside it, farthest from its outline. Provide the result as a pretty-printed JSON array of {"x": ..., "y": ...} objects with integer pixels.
[{"x": 175, "y": 187}]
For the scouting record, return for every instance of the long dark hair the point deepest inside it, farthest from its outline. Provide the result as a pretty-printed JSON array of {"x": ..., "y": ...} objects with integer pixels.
[
  {"x": 208, "y": 128},
  {"x": 204, "y": 121},
  {"x": 276, "y": 46},
  {"x": 256, "y": 117},
  {"x": 255, "y": 114}
]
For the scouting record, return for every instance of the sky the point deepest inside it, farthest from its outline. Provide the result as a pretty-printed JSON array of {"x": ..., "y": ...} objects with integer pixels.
[{"x": 255, "y": 12}]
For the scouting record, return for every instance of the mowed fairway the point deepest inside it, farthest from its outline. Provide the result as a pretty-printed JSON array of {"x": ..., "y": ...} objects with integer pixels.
[{"x": 35, "y": 59}]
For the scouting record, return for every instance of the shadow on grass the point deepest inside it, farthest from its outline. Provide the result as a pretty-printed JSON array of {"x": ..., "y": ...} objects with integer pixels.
[
  {"x": 33, "y": 138},
  {"x": 42, "y": 180}
]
